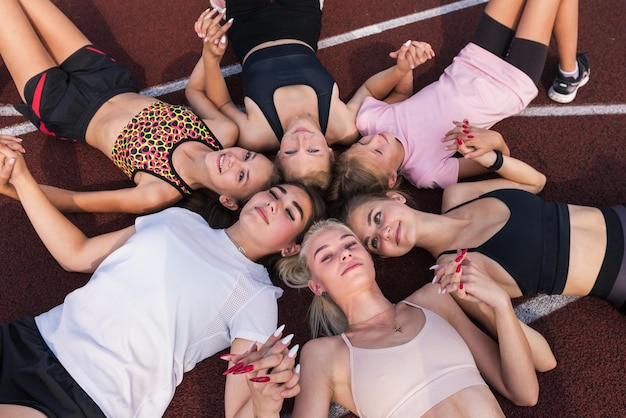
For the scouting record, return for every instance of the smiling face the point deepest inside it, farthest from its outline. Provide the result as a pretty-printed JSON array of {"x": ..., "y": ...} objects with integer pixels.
[
  {"x": 238, "y": 173},
  {"x": 275, "y": 217},
  {"x": 303, "y": 150},
  {"x": 338, "y": 262},
  {"x": 385, "y": 226}
]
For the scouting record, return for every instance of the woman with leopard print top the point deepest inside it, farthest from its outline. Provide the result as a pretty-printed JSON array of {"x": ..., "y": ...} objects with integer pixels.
[{"x": 76, "y": 92}]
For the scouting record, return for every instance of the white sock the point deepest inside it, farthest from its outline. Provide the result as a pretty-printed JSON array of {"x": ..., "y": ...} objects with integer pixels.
[{"x": 573, "y": 74}]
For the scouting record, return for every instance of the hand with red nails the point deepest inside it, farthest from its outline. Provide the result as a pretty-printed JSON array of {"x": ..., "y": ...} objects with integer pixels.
[
  {"x": 475, "y": 142},
  {"x": 270, "y": 373},
  {"x": 449, "y": 276},
  {"x": 480, "y": 288}
]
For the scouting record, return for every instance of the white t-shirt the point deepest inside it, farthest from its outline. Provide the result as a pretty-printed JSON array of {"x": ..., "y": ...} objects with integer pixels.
[
  {"x": 174, "y": 294},
  {"x": 478, "y": 86}
]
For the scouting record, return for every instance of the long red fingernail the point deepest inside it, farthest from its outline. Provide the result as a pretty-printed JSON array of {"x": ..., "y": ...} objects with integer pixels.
[
  {"x": 458, "y": 268},
  {"x": 459, "y": 258},
  {"x": 232, "y": 369},
  {"x": 465, "y": 126},
  {"x": 465, "y": 131},
  {"x": 243, "y": 370},
  {"x": 260, "y": 379},
  {"x": 464, "y": 251},
  {"x": 459, "y": 141},
  {"x": 470, "y": 136},
  {"x": 461, "y": 284}
]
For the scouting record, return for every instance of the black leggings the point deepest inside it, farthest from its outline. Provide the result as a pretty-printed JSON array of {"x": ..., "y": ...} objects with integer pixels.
[{"x": 528, "y": 56}]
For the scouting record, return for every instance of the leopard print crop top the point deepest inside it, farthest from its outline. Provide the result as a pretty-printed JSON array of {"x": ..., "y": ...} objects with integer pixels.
[{"x": 148, "y": 141}]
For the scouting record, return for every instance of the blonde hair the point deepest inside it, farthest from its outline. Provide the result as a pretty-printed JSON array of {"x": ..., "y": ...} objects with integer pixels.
[
  {"x": 352, "y": 176},
  {"x": 317, "y": 179},
  {"x": 325, "y": 317}
]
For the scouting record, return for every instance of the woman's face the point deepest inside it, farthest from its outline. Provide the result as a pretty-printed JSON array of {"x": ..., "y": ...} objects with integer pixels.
[
  {"x": 238, "y": 173},
  {"x": 303, "y": 150},
  {"x": 277, "y": 216},
  {"x": 383, "y": 151},
  {"x": 337, "y": 261},
  {"x": 384, "y": 226}
]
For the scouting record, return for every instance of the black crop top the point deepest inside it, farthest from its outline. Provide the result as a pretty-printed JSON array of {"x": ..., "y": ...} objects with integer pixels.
[
  {"x": 533, "y": 245},
  {"x": 270, "y": 68}
]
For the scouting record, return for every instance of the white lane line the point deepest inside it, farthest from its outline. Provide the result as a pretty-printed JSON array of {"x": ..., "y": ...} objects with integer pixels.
[{"x": 540, "y": 306}]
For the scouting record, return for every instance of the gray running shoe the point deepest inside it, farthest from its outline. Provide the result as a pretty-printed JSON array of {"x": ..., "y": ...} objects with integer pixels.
[{"x": 563, "y": 89}]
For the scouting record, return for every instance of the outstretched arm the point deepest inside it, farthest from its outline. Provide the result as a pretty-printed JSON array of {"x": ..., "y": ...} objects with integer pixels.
[
  {"x": 506, "y": 365},
  {"x": 67, "y": 244},
  {"x": 410, "y": 55},
  {"x": 214, "y": 45},
  {"x": 514, "y": 173}
]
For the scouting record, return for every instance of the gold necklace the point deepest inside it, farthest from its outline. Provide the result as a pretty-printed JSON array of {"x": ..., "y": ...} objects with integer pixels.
[
  {"x": 395, "y": 327},
  {"x": 234, "y": 241}
]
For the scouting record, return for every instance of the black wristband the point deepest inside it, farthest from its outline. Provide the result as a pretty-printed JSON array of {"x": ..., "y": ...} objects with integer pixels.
[{"x": 498, "y": 163}]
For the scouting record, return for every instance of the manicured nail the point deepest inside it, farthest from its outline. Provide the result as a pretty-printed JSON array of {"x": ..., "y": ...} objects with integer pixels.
[
  {"x": 461, "y": 285},
  {"x": 230, "y": 20},
  {"x": 458, "y": 268},
  {"x": 470, "y": 136},
  {"x": 296, "y": 369},
  {"x": 294, "y": 350},
  {"x": 433, "y": 267},
  {"x": 459, "y": 258},
  {"x": 226, "y": 356},
  {"x": 232, "y": 369},
  {"x": 287, "y": 339},
  {"x": 465, "y": 126},
  {"x": 260, "y": 379},
  {"x": 439, "y": 290},
  {"x": 249, "y": 350},
  {"x": 459, "y": 141},
  {"x": 464, "y": 251},
  {"x": 407, "y": 43},
  {"x": 279, "y": 330},
  {"x": 434, "y": 279},
  {"x": 243, "y": 370},
  {"x": 465, "y": 131},
  {"x": 223, "y": 39}
]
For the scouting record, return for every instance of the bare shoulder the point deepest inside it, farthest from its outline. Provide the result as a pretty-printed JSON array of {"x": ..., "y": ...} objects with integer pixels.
[{"x": 323, "y": 347}]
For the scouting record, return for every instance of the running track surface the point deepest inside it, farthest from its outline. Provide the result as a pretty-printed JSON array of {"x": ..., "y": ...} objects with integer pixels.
[{"x": 580, "y": 147}]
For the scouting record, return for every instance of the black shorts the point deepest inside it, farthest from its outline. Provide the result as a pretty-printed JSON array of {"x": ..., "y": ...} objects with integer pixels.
[
  {"x": 529, "y": 56},
  {"x": 62, "y": 100},
  {"x": 31, "y": 375},
  {"x": 259, "y": 21}
]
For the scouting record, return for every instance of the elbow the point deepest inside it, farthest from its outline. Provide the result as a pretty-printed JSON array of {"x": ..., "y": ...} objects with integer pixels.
[
  {"x": 528, "y": 397},
  {"x": 539, "y": 184},
  {"x": 546, "y": 365}
]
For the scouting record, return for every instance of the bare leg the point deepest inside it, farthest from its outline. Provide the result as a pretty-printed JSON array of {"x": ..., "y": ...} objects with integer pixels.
[
  {"x": 566, "y": 34},
  {"x": 506, "y": 12},
  {"x": 537, "y": 20},
  {"x": 21, "y": 49},
  {"x": 57, "y": 32},
  {"x": 18, "y": 411}
]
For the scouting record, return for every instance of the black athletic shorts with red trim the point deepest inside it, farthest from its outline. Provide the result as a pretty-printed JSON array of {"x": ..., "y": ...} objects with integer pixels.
[
  {"x": 31, "y": 375},
  {"x": 62, "y": 100}
]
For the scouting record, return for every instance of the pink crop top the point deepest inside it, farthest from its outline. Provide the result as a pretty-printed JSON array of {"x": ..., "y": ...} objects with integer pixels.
[
  {"x": 148, "y": 141},
  {"x": 409, "y": 379}
]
